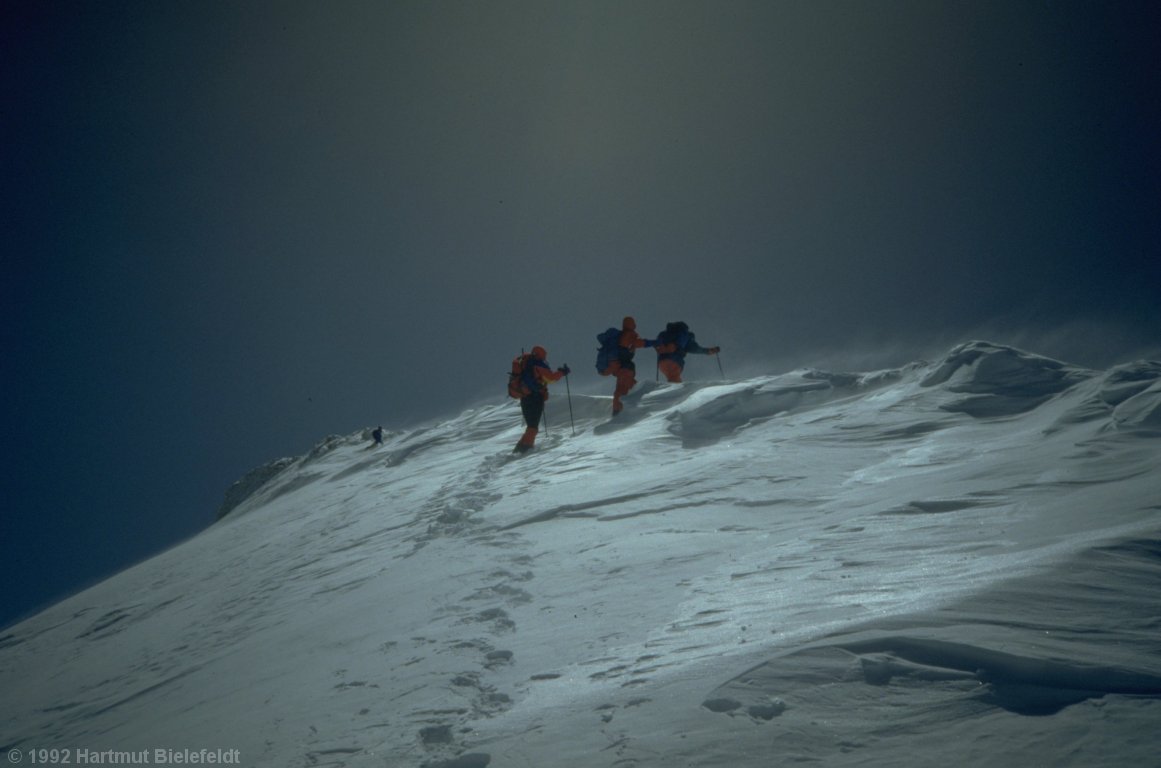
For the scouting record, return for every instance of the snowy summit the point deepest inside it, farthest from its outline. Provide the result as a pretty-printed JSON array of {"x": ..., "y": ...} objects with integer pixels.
[{"x": 951, "y": 563}]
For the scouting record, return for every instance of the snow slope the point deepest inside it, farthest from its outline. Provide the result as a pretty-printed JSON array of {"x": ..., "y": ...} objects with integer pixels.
[{"x": 953, "y": 562}]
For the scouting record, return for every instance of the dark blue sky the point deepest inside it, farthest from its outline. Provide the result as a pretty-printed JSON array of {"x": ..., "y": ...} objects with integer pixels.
[{"x": 231, "y": 229}]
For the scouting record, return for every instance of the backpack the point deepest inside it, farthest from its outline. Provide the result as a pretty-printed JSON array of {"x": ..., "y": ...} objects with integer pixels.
[
  {"x": 677, "y": 334},
  {"x": 517, "y": 387},
  {"x": 608, "y": 351}
]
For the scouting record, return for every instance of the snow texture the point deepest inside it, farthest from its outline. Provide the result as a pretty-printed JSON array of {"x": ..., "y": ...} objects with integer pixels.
[{"x": 951, "y": 563}]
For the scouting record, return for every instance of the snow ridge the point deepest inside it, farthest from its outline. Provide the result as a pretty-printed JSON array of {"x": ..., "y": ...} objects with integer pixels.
[{"x": 849, "y": 568}]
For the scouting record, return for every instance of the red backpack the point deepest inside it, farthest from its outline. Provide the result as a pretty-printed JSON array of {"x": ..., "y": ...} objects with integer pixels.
[{"x": 517, "y": 386}]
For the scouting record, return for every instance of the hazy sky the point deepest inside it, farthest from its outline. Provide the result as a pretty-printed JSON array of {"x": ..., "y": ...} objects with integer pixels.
[{"x": 233, "y": 228}]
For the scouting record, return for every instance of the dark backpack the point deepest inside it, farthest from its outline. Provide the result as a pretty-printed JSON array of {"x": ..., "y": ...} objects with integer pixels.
[
  {"x": 608, "y": 351},
  {"x": 517, "y": 386},
  {"x": 677, "y": 334}
]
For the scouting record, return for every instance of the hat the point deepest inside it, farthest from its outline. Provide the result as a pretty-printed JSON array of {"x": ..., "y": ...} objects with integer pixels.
[
  {"x": 629, "y": 324},
  {"x": 539, "y": 353}
]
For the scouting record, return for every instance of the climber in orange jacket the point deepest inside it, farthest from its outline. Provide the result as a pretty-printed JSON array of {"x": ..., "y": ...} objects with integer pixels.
[
  {"x": 620, "y": 358},
  {"x": 533, "y": 381}
]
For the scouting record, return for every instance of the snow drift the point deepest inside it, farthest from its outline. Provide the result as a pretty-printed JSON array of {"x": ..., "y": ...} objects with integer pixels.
[{"x": 952, "y": 562}]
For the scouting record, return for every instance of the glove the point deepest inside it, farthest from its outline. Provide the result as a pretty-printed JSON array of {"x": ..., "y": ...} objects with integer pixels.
[
  {"x": 714, "y": 350},
  {"x": 564, "y": 369}
]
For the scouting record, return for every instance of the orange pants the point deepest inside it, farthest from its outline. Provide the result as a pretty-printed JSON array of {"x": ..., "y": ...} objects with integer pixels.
[
  {"x": 527, "y": 440},
  {"x": 626, "y": 380},
  {"x": 532, "y": 406},
  {"x": 670, "y": 370}
]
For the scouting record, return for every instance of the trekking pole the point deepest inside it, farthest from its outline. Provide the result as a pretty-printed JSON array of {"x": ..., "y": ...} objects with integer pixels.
[
  {"x": 568, "y": 390},
  {"x": 723, "y": 373}
]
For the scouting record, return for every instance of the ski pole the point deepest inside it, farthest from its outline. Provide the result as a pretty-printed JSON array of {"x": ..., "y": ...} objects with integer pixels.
[
  {"x": 568, "y": 390},
  {"x": 723, "y": 373}
]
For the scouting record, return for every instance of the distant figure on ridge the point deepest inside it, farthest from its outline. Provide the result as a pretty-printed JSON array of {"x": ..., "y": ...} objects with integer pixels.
[
  {"x": 529, "y": 382},
  {"x": 615, "y": 358},
  {"x": 672, "y": 345},
  {"x": 377, "y": 435}
]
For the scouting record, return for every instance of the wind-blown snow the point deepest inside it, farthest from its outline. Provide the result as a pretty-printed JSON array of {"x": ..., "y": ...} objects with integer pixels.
[{"x": 953, "y": 562}]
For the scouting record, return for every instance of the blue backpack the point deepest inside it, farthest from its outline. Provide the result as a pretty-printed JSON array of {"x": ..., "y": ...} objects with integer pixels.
[
  {"x": 608, "y": 350},
  {"x": 677, "y": 334}
]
